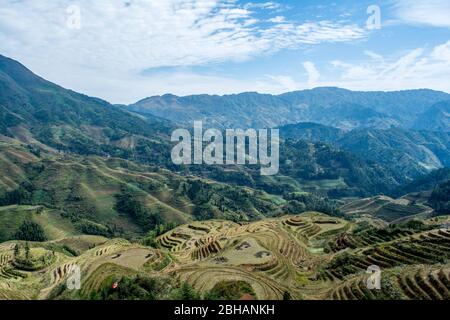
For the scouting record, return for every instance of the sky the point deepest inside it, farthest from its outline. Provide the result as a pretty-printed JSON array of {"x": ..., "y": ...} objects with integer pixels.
[{"x": 124, "y": 51}]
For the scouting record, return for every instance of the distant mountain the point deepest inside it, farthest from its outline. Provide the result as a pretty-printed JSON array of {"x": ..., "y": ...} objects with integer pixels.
[
  {"x": 321, "y": 168},
  {"x": 330, "y": 106},
  {"x": 408, "y": 152},
  {"x": 436, "y": 118},
  {"x": 33, "y": 109}
]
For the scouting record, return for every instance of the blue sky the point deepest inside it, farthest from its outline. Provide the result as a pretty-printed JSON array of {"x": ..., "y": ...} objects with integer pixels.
[{"x": 123, "y": 51}]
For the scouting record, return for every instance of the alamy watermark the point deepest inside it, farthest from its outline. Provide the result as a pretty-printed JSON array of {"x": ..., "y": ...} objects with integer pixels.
[
  {"x": 374, "y": 280},
  {"x": 238, "y": 146},
  {"x": 74, "y": 279},
  {"x": 74, "y": 17},
  {"x": 374, "y": 20}
]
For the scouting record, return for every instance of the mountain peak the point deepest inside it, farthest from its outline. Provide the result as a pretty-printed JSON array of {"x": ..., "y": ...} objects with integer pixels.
[{"x": 18, "y": 72}]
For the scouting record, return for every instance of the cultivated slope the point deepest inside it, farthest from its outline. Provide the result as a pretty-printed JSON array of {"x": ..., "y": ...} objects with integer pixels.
[{"x": 308, "y": 256}]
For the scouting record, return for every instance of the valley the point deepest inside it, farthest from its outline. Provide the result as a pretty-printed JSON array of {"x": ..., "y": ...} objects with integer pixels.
[{"x": 88, "y": 191}]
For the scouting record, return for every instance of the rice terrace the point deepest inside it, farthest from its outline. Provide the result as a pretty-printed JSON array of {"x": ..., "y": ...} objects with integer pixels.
[{"x": 308, "y": 256}]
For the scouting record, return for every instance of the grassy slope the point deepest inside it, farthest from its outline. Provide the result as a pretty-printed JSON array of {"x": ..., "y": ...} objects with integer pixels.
[
  {"x": 55, "y": 227},
  {"x": 13, "y": 158},
  {"x": 86, "y": 187}
]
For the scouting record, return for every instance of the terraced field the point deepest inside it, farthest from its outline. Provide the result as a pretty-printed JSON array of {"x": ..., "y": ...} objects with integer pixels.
[
  {"x": 124, "y": 257},
  {"x": 273, "y": 255},
  {"x": 417, "y": 283},
  {"x": 309, "y": 256},
  {"x": 428, "y": 248},
  {"x": 388, "y": 209}
]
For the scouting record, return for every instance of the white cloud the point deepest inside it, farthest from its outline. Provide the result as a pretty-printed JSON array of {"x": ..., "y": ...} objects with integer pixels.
[
  {"x": 153, "y": 34},
  {"x": 282, "y": 84},
  {"x": 373, "y": 55},
  {"x": 400, "y": 68},
  {"x": 119, "y": 40},
  {"x": 430, "y": 12},
  {"x": 277, "y": 19},
  {"x": 353, "y": 71},
  {"x": 313, "y": 73},
  {"x": 263, "y": 5},
  {"x": 442, "y": 52},
  {"x": 182, "y": 82},
  {"x": 419, "y": 68}
]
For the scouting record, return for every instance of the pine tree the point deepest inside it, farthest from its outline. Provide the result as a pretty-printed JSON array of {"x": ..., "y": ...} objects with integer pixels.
[{"x": 27, "y": 251}]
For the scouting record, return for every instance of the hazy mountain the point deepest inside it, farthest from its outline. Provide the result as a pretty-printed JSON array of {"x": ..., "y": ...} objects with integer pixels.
[
  {"x": 436, "y": 118},
  {"x": 408, "y": 152},
  {"x": 330, "y": 106}
]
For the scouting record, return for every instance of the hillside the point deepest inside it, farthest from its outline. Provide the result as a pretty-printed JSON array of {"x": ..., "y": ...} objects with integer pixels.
[
  {"x": 35, "y": 110},
  {"x": 440, "y": 198},
  {"x": 311, "y": 131},
  {"x": 54, "y": 225},
  {"x": 334, "y": 172},
  {"x": 329, "y": 106},
  {"x": 310, "y": 167},
  {"x": 425, "y": 182},
  {"x": 436, "y": 118},
  {"x": 87, "y": 191},
  {"x": 410, "y": 153}
]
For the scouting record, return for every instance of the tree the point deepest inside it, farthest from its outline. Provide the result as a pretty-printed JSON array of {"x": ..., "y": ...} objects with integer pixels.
[
  {"x": 186, "y": 292},
  {"x": 127, "y": 202},
  {"x": 27, "y": 251},
  {"x": 203, "y": 212},
  {"x": 150, "y": 238},
  {"x": 30, "y": 231},
  {"x": 440, "y": 198}
]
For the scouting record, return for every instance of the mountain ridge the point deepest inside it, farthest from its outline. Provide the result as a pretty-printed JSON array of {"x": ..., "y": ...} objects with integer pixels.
[
  {"x": 412, "y": 152},
  {"x": 339, "y": 107}
]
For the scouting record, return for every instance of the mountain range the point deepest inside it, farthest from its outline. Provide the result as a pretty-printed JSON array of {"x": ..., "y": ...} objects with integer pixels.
[
  {"x": 336, "y": 107},
  {"x": 45, "y": 115},
  {"x": 409, "y": 152}
]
